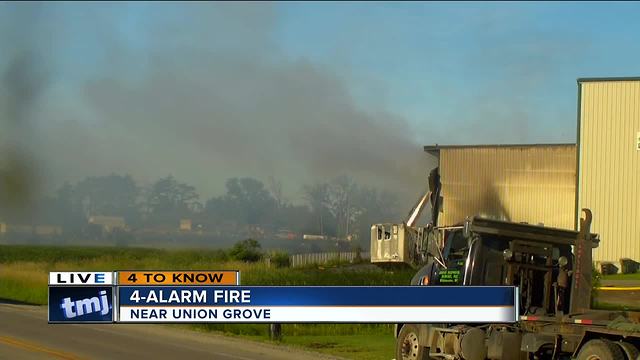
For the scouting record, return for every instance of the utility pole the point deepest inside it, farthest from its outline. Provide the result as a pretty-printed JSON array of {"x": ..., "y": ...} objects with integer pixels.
[
  {"x": 347, "y": 232},
  {"x": 275, "y": 332}
]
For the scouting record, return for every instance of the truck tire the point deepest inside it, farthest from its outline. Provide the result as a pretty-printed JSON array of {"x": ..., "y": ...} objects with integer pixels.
[
  {"x": 630, "y": 351},
  {"x": 408, "y": 346},
  {"x": 601, "y": 349}
]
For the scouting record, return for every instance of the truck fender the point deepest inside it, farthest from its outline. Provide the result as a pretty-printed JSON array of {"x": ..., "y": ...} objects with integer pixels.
[{"x": 531, "y": 342}]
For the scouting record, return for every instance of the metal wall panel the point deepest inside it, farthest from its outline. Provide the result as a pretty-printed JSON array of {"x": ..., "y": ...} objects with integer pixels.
[
  {"x": 534, "y": 184},
  {"x": 609, "y": 122}
]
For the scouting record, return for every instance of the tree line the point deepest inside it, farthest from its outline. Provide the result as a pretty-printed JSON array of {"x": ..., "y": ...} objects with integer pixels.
[{"x": 338, "y": 208}]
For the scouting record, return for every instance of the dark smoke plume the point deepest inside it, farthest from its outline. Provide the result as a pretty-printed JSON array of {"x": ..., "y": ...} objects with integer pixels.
[
  {"x": 23, "y": 78},
  {"x": 200, "y": 91}
]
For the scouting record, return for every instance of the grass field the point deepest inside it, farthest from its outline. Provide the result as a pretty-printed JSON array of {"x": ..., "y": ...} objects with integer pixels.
[
  {"x": 358, "y": 342},
  {"x": 23, "y": 277},
  {"x": 24, "y": 272},
  {"x": 635, "y": 276},
  {"x": 600, "y": 305},
  {"x": 358, "y": 347}
]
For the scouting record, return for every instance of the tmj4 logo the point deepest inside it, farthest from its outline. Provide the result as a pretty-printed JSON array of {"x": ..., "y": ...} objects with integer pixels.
[{"x": 85, "y": 306}]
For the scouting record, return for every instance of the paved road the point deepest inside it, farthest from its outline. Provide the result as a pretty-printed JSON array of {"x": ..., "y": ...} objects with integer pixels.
[
  {"x": 628, "y": 297},
  {"x": 25, "y": 334},
  {"x": 621, "y": 283}
]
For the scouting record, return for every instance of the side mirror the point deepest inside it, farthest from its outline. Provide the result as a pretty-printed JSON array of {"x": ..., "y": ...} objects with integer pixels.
[
  {"x": 466, "y": 231},
  {"x": 429, "y": 242}
]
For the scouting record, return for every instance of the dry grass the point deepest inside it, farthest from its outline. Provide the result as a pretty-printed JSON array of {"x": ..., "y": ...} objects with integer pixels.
[
  {"x": 24, "y": 281},
  {"x": 24, "y": 277}
]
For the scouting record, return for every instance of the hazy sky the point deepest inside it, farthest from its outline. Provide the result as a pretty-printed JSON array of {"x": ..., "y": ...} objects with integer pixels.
[{"x": 298, "y": 91}]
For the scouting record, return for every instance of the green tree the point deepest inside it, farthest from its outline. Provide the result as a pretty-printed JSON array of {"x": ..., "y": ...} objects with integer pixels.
[
  {"x": 342, "y": 204},
  {"x": 168, "y": 199},
  {"x": 246, "y": 201},
  {"x": 374, "y": 206},
  {"x": 248, "y": 250},
  {"x": 111, "y": 195},
  {"x": 317, "y": 197},
  {"x": 280, "y": 259}
]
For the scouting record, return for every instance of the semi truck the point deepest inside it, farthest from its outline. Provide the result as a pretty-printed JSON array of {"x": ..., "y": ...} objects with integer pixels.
[{"x": 551, "y": 267}]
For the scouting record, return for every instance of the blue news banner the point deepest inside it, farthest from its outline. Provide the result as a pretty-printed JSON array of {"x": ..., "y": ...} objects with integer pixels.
[
  {"x": 329, "y": 304},
  {"x": 94, "y": 297}
]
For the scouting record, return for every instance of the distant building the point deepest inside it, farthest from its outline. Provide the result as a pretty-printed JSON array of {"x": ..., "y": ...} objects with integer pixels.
[
  {"x": 43, "y": 230},
  {"x": 314, "y": 237},
  {"x": 285, "y": 234},
  {"x": 20, "y": 229},
  {"x": 253, "y": 231},
  {"x": 157, "y": 229},
  {"x": 108, "y": 223},
  {"x": 185, "y": 225},
  {"x": 47, "y": 230}
]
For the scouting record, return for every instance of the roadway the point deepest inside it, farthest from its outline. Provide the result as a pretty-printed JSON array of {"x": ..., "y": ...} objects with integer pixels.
[{"x": 25, "y": 334}]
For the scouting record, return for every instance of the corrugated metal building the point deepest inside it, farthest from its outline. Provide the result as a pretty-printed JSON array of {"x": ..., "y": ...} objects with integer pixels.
[
  {"x": 522, "y": 183},
  {"x": 609, "y": 163}
]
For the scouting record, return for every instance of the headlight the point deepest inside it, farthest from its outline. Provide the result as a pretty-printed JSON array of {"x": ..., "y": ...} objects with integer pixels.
[
  {"x": 508, "y": 254},
  {"x": 424, "y": 280}
]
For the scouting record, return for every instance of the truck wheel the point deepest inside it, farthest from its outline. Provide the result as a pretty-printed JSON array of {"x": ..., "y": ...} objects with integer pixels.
[
  {"x": 630, "y": 351},
  {"x": 407, "y": 345},
  {"x": 600, "y": 349}
]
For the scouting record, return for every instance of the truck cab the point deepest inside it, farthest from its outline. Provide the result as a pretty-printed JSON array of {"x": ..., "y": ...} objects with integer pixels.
[
  {"x": 490, "y": 252},
  {"x": 540, "y": 261}
]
